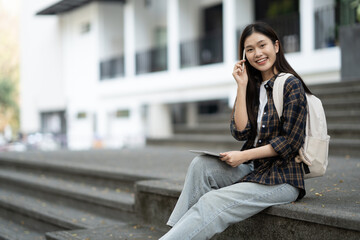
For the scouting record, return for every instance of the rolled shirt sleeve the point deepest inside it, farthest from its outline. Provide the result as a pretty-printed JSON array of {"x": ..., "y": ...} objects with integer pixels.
[
  {"x": 292, "y": 134},
  {"x": 239, "y": 135}
]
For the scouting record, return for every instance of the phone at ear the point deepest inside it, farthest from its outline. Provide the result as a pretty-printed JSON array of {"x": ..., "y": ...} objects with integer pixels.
[{"x": 243, "y": 58}]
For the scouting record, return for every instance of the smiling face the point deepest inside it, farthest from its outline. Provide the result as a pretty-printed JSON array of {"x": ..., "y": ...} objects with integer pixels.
[{"x": 261, "y": 54}]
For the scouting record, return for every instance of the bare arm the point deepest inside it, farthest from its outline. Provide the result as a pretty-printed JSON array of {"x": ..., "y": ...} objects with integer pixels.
[
  {"x": 240, "y": 111},
  {"x": 236, "y": 158}
]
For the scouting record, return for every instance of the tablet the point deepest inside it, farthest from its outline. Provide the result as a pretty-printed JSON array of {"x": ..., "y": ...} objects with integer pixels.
[{"x": 205, "y": 153}]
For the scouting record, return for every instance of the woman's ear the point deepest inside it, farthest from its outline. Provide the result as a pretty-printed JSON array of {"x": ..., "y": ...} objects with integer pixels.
[{"x": 276, "y": 45}]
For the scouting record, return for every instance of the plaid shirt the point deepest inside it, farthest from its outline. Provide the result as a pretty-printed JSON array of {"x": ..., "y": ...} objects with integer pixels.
[{"x": 285, "y": 136}]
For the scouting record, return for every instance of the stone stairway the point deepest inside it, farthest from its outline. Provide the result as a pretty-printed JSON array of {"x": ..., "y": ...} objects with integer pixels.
[
  {"x": 342, "y": 107},
  {"x": 341, "y": 102},
  {"x": 38, "y": 197},
  {"x": 130, "y": 193}
]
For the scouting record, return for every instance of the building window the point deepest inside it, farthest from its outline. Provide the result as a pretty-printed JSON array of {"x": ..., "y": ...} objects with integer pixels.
[
  {"x": 207, "y": 48},
  {"x": 349, "y": 11},
  {"x": 326, "y": 24},
  {"x": 122, "y": 113},
  {"x": 284, "y": 17},
  {"x": 81, "y": 115},
  {"x": 85, "y": 27},
  {"x": 152, "y": 60},
  {"x": 112, "y": 68},
  {"x": 53, "y": 122}
]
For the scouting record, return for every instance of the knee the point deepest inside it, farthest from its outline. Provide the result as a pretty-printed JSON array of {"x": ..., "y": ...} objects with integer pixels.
[
  {"x": 210, "y": 200},
  {"x": 199, "y": 163}
]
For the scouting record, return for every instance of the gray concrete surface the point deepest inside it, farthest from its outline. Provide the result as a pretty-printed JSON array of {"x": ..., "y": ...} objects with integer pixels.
[
  {"x": 126, "y": 232},
  {"x": 143, "y": 163},
  {"x": 338, "y": 191},
  {"x": 332, "y": 200}
]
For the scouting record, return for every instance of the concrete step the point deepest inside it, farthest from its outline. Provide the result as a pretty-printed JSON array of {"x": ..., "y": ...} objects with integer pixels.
[
  {"x": 343, "y": 117},
  {"x": 345, "y": 147},
  {"x": 335, "y": 96},
  {"x": 14, "y": 226},
  {"x": 332, "y": 115},
  {"x": 115, "y": 164},
  {"x": 193, "y": 141},
  {"x": 338, "y": 146},
  {"x": 204, "y": 128},
  {"x": 215, "y": 118},
  {"x": 129, "y": 232},
  {"x": 96, "y": 191},
  {"x": 74, "y": 165},
  {"x": 345, "y": 92},
  {"x": 60, "y": 211},
  {"x": 333, "y": 86},
  {"x": 335, "y": 130},
  {"x": 75, "y": 190},
  {"x": 352, "y": 104},
  {"x": 344, "y": 131},
  {"x": 329, "y": 211},
  {"x": 336, "y": 110}
]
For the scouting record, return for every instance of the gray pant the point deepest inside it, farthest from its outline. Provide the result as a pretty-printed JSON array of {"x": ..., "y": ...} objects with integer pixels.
[{"x": 211, "y": 200}]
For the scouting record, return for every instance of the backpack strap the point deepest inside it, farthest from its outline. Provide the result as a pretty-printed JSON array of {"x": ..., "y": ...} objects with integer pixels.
[{"x": 278, "y": 92}]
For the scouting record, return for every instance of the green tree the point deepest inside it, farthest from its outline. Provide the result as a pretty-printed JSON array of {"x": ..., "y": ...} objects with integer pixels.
[
  {"x": 349, "y": 12},
  {"x": 356, "y": 5},
  {"x": 9, "y": 69},
  {"x": 9, "y": 110},
  {"x": 7, "y": 91},
  {"x": 281, "y": 7}
]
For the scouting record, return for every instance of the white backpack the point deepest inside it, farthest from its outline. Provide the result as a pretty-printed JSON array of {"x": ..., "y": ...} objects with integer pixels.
[{"x": 314, "y": 152}]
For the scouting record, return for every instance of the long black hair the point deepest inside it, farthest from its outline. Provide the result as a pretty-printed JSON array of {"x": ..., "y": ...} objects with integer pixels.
[{"x": 254, "y": 75}]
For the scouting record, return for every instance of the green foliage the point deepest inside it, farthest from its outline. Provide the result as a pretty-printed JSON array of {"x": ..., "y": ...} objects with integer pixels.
[
  {"x": 281, "y": 7},
  {"x": 9, "y": 109},
  {"x": 349, "y": 12},
  {"x": 7, "y": 95},
  {"x": 9, "y": 68},
  {"x": 356, "y": 5}
]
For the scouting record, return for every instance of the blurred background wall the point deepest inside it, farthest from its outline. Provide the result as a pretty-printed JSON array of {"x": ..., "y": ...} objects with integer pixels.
[{"x": 116, "y": 73}]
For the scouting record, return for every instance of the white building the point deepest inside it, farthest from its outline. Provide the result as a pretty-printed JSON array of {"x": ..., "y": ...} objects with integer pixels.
[{"x": 121, "y": 70}]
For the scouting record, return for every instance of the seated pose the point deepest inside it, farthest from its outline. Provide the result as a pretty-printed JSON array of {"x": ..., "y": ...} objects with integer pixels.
[{"x": 221, "y": 191}]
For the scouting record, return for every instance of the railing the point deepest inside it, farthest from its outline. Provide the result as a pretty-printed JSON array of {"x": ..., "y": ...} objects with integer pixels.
[
  {"x": 288, "y": 29},
  {"x": 206, "y": 50},
  {"x": 326, "y": 27},
  {"x": 112, "y": 68},
  {"x": 238, "y": 36},
  {"x": 348, "y": 12},
  {"x": 153, "y": 60}
]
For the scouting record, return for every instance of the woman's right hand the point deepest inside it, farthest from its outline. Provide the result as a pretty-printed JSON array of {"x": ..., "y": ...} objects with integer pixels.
[{"x": 239, "y": 73}]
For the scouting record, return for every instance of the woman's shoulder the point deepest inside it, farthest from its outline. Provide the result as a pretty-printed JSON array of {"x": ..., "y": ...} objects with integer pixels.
[
  {"x": 292, "y": 79},
  {"x": 292, "y": 82}
]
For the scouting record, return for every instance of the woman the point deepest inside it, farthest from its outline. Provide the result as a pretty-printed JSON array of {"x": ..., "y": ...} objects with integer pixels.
[{"x": 264, "y": 173}]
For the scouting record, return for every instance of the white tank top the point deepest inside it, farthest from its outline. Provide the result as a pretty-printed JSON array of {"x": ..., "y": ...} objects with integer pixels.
[{"x": 262, "y": 103}]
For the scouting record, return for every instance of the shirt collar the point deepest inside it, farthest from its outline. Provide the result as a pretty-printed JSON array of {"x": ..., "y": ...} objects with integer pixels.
[{"x": 270, "y": 83}]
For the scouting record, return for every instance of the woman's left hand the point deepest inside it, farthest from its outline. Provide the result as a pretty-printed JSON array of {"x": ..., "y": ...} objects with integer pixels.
[{"x": 234, "y": 158}]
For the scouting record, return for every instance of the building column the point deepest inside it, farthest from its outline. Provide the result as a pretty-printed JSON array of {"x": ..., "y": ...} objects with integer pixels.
[
  {"x": 229, "y": 34},
  {"x": 173, "y": 51},
  {"x": 159, "y": 121},
  {"x": 129, "y": 38},
  {"x": 102, "y": 123},
  {"x": 307, "y": 23},
  {"x": 191, "y": 114}
]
